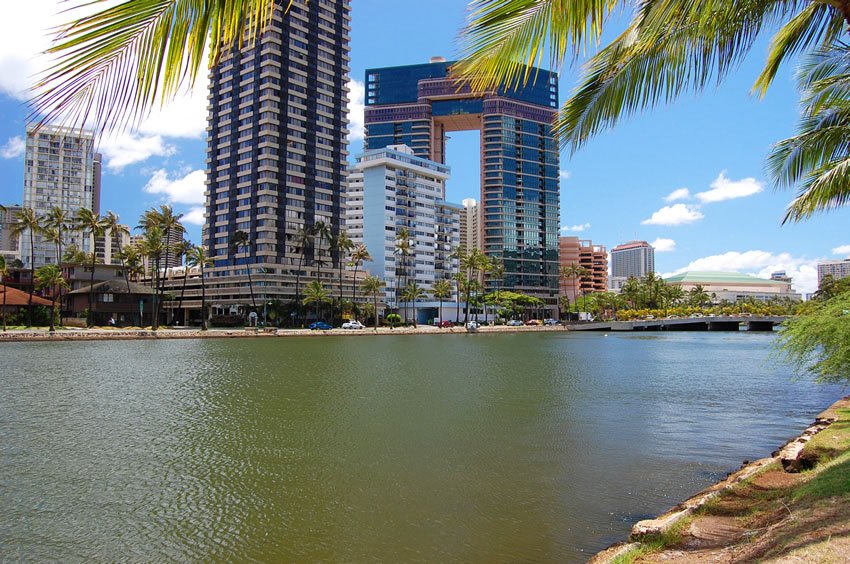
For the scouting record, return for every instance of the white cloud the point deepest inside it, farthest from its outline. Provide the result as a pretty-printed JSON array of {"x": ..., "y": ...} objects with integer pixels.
[
  {"x": 131, "y": 148},
  {"x": 842, "y": 250},
  {"x": 356, "y": 110},
  {"x": 14, "y": 148},
  {"x": 565, "y": 174},
  {"x": 195, "y": 216},
  {"x": 576, "y": 228},
  {"x": 725, "y": 189},
  {"x": 188, "y": 189},
  {"x": 677, "y": 214},
  {"x": 680, "y": 194},
  {"x": 761, "y": 264},
  {"x": 662, "y": 245}
]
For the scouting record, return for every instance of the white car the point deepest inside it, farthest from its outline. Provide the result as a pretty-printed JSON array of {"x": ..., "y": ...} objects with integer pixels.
[
  {"x": 473, "y": 325},
  {"x": 353, "y": 325},
  {"x": 550, "y": 321}
]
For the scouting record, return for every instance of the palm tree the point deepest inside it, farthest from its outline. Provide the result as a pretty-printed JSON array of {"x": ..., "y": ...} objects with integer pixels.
[
  {"x": 632, "y": 291},
  {"x": 321, "y": 231},
  {"x": 183, "y": 249},
  {"x": 403, "y": 250},
  {"x": 58, "y": 221},
  {"x": 153, "y": 248},
  {"x": 358, "y": 257},
  {"x": 457, "y": 255},
  {"x": 87, "y": 220},
  {"x": 698, "y": 296},
  {"x": 131, "y": 258},
  {"x": 574, "y": 272},
  {"x": 473, "y": 263},
  {"x": 818, "y": 157},
  {"x": 54, "y": 235},
  {"x": 4, "y": 272},
  {"x": 241, "y": 243},
  {"x": 197, "y": 256},
  {"x": 143, "y": 55},
  {"x": 316, "y": 293},
  {"x": 372, "y": 286},
  {"x": 342, "y": 244},
  {"x": 303, "y": 239},
  {"x": 27, "y": 221},
  {"x": 412, "y": 293},
  {"x": 116, "y": 232},
  {"x": 441, "y": 289},
  {"x": 50, "y": 276}
]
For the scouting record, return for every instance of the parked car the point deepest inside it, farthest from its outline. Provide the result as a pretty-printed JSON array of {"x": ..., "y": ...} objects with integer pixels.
[
  {"x": 550, "y": 321},
  {"x": 672, "y": 317},
  {"x": 353, "y": 325},
  {"x": 533, "y": 322},
  {"x": 650, "y": 317},
  {"x": 320, "y": 326},
  {"x": 696, "y": 315},
  {"x": 445, "y": 324},
  {"x": 473, "y": 325},
  {"x": 514, "y": 323}
]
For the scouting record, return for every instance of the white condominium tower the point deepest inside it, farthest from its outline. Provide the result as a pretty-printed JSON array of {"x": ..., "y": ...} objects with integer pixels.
[
  {"x": 61, "y": 170},
  {"x": 391, "y": 189}
]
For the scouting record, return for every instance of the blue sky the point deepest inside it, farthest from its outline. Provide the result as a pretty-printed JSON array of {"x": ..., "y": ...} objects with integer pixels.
[{"x": 613, "y": 190}]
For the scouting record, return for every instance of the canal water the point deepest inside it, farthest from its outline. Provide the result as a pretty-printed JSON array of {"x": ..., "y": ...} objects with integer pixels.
[{"x": 516, "y": 447}]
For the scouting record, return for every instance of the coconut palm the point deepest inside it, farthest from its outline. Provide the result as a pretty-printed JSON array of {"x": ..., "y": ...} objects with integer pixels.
[
  {"x": 197, "y": 257},
  {"x": 817, "y": 159},
  {"x": 412, "y": 293},
  {"x": 4, "y": 272},
  {"x": 303, "y": 239},
  {"x": 183, "y": 249},
  {"x": 404, "y": 248},
  {"x": 27, "y": 221},
  {"x": 698, "y": 296},
  {"x": 86, "y": 220},
  {"x": 116, "y": 232},
  {"x": 343, "y": 245},
  {"x": 441, "y": 289},
  {"x": 131, "y": 258},
  {"x": 358, "y": 257},
  {"x": 54, "y": 235},
  {"x": 315, "y": 293},
  {"x": 50, "y": 277},
  {"x": 373, "y": 286},
  {"x": 572, "y": 272},
  {"x": 321, "y": 231},
  {"x": 473, "y": 263},
  {"x": 58, "y": 221},
  {"x": 153, "y": 248},
  {"x": 241, "y": 243},
  {"x": 112, "y": 66}
]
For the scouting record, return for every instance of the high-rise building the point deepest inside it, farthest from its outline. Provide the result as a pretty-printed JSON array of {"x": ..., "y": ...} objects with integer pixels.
[
  {"x": 470, "y": 238},
  {"x": 836, "y": 268},
  {"x": 391, "y": 189},
  {"x": 635, "y": 258},
  {"x": 418, "y": 105},
  {"x": 593, "y": 258},
  {"x": 277, "y": 158},
  {"x": 10, "y": 247},
  {"x": 61, "y": 170},
  {"x": 109, "y": 246}
]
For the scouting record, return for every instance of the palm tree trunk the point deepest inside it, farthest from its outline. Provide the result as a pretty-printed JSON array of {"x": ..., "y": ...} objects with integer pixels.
[
  {"x": 91, "y": 289},
  {"x": 5, "y": 287},
  {"x": 441, "y": 309},
  {"x": 251, "y": 287},
  {"x": 203, "y": 300},
  {"x": 354, "y": 286},
  {"x": 32, "y": 277},
  {"x": 376, "y": 312},
  {"x": 156, "y": 301},
  {"x": 161, "y": 283},
  {"x": 183, "y": 292},
  {"x": 52, "y": 313}
]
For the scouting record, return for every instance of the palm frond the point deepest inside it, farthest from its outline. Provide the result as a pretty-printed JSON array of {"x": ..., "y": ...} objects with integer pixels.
[
  {"x": 504, "y": 39},
  {"x": 112, "y": 67},
  {"x": 827, "y": 188}
]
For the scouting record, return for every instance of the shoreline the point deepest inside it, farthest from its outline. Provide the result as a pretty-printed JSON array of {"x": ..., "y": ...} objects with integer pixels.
[
  {"x": 109, "y": 334},
  {"x": 786, "y": 455}
]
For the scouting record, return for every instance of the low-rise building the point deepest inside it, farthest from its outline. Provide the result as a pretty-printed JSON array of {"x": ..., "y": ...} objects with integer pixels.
[
  {"x": 734, "y": 286},
  {"x": 593, "y": 258}
]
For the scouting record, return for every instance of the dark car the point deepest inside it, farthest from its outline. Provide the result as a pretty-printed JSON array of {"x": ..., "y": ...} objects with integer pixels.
[{"x": 320, "y": 326}]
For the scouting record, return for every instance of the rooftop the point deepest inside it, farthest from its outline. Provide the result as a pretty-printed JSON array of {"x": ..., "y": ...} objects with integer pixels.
[{"x": 718, "y": 277}]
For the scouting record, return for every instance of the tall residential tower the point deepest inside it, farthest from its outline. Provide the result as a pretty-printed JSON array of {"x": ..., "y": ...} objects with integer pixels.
[
  {"x": 277, "y": 157},
  {"x": 418, "y": 105}
]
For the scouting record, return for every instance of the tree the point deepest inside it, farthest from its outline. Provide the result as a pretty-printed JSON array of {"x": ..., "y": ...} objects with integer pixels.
[
  {"x": 50, "y": 277},
  {"x": 240, "y": 242},
  {"x": 412, "y": 293},
  {"x": 4, "y": 272},
  {"x": 670, "y": 47},
  {"x": 403, "y": 250},
  {"x": 698, "y": 296},
  {"x": 58, "y": 221},
  {"x": 27, "y": 221},
  {"x": 116, "y": 232},
  {"x": 316, "y": 293},
  {"x": 342, "y": 244},
  {"x": 87, "y": 221},
  {"x": 373, "y": 286},
  {"x": 441, "y": 289},
  {"x": 322, "y": 231},
  {"x": 153, "y": 248},
  {"x": 473, "y": 263},
  {"x": 574, "y": 272},
  {"x": 303, "y": 239},
  {"x": 183, "y": 249},
  {"x": 197, "y": 257},
  {"x": 358, "y": 257},
  {"x": 818, "y": 158},
  {"x": 817, "y": 341}
]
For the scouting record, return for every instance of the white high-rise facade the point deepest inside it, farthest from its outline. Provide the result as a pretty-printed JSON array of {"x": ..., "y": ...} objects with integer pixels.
[
  {"x": 391, "y": 189},
  {"x": 470, "y": 237},
  {"x": 61, "y": 170}
]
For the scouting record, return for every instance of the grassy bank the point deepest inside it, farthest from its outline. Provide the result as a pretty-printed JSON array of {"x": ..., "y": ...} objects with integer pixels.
[{"x": 772, "y": 515}]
